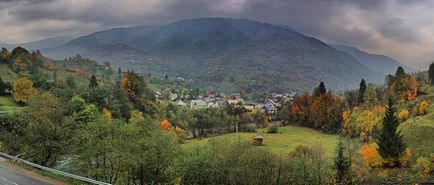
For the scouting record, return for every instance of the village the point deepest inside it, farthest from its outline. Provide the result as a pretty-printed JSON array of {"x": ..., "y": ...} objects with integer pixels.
[{"x": 215, "y": 100}]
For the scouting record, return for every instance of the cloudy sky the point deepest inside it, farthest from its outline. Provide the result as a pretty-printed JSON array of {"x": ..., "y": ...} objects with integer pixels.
[{"x": 403, "y": 29}]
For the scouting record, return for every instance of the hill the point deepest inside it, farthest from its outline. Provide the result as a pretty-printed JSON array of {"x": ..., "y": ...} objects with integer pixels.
[
  {"x": 224, "y": 54},
  {"x": 379, "y": 63},
  {"x": 40, "y": 44}
]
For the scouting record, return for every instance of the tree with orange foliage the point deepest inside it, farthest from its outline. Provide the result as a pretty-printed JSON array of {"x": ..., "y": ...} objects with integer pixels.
[
  {"x": 165, "y": 124},
  {"x": 107, "y": 113},
  {"x": 370, "y": 156},
  {"x": 300, "y": 108},
  {"x": 325, "y": 113}
]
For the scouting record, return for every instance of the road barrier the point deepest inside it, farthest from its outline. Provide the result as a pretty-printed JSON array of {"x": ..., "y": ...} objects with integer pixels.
[{"x": 80, "y": 178}]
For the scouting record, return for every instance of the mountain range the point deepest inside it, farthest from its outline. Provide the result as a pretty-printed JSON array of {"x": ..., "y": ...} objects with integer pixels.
[
  {"x": 380, "y": 63},
  {"x": 231, "y": 55}
]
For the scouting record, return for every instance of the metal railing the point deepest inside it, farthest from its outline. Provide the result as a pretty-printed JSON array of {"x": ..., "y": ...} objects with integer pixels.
[{"x": 80, "y": 178}]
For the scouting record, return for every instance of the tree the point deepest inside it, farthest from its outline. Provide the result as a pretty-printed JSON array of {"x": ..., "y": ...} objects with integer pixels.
[
  {"x": 2, "y": 86},
  {"x": 431, "y": 73},
  {"x": 322, "y": 89},
  {"x": 342, "y": 165},
  {"x": 4, "y": 55},
  {"x": 390, "y": 143},
  {"x": 93, "y": 82},
  {"x": 370, "y": 96},
  {"x": 47, "y": 138},
  {"x": 362, "y": 89},
  {"x": 21, "y": 63},
  {"x": 23, "y": 90},
  {"x": 400, "y": 73}
]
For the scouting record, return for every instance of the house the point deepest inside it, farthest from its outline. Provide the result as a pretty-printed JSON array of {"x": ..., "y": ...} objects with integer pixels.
[
  {"x": 198, "y": 104},
  {"x": 180, "y": 103},
  {"x": 173, "y": 97},
  {"x": 270, "y": 106},
  {"x": 234, "y": 96},
  {"x": 235, "y": 102},
  {"x": 212, "y": 105},
  {"x": 212, "y": 96},
  {"x": 249, "y": 108}
]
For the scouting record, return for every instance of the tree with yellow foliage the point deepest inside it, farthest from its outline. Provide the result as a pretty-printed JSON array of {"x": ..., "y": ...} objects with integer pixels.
[
  {"x": 21, "y": 63},
  {"x": 107, "y": 113},
  {"x": 23, "y": 90},
  {"x": 403, "y": 115},
  {"x": 423, "y": 108}
]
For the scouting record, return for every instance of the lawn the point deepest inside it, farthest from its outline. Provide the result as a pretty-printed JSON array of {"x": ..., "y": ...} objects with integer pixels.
[
  {"x": 282, "y": 143},
  {"x": 8, "y": 104}
]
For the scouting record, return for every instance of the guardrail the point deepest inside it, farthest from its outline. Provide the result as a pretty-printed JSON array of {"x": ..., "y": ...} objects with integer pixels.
[{"x": 84, "y": 179}]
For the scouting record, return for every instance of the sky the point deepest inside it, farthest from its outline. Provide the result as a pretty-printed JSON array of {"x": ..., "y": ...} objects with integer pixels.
[{"x": 402, "y": 29}]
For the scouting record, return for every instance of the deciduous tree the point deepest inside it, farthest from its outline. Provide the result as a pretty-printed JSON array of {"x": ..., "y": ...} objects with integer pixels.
[{"x": 23, "y": 90}]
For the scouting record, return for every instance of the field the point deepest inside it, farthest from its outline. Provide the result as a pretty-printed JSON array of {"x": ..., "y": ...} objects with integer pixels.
[
  {"x": 6, "y": 73},
  {"x": 419, "y": 132},
  {"x": 282, "y": 143},
  {"x": 8, "y": 104}
]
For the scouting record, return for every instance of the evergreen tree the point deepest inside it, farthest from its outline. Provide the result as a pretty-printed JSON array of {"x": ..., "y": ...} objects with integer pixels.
[
  {"x": 2, "y": 86},
  {"x": 400, "y": 73},
  {"x": 322, "y": 89},
  {"x": 342, "y": 164},
  {"x": 362, "y": 89},
  {"x": 93, "y": 83},
  {"x": 390, "y": 143},
  {"x": 119, "y": 74},
  {"x": 431, "y": 73}
]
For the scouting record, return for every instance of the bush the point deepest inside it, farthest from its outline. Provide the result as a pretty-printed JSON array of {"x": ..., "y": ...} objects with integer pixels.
[
  {"x": 370, "y": 156},
  {"x": 250, "y": 128},
  {"x": 273, "y": 129},
  {"x": 403, "y": 115},
  {"x": 423, "y": 165}
]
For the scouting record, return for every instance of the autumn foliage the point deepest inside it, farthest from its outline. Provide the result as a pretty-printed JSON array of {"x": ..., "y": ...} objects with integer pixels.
[
  {"x": 370, "y": 156},
  {"x": 23, "y": 90},
  {"x": 165, "y": 124}
]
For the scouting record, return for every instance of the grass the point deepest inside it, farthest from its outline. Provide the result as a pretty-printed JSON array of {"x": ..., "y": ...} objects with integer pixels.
[
  {"x": 282, "y": 143},
  {"x": 6, "y": 73},
  {"x": 7, "y": 104},
  {"x": 418, "y": 133}
]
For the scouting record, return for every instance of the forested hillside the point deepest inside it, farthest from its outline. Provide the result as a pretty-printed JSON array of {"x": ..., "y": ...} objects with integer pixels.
[{"x": 224, "y": 54}]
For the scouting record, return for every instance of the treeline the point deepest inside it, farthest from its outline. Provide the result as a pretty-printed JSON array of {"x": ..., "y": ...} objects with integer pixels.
[{"x": 334, "y": 113}]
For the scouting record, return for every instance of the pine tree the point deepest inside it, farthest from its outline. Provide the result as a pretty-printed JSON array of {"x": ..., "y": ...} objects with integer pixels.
[
  {"x": 362, "y": 89},
  {"x": 391, "y": 146},
  {"x": 93, "y": 83},
  {"x": 400, "y": 73},
  {"x": 431, "y": 73},
  {"x": 119, "y": 74},
  {"x": 322, "y": 89},
  {"x": 342, "y": 165}
]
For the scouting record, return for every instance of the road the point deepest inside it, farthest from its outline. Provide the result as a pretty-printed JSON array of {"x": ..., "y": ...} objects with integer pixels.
[{"x": 11, "y": 174}]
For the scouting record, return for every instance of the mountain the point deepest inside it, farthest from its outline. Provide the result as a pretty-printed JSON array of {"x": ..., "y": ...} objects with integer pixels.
[
  {"x": 380, "y": 63},
  {"x": 224, "y": 54},
  {"x": 40, "y": 44}
]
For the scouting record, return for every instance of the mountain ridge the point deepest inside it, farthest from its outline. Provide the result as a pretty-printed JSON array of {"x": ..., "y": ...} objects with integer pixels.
[{"x": 228, "y": 53}]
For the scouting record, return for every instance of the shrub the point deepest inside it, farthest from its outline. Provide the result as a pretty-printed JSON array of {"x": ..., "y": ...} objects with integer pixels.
[
  {"x": 403, "y": 115},
  {"x": 405, "y": 159},
  {"x": 250, "y": 128},
  {"x": 273, "y": 129},
  {"x": 423, "y": 165},
  {"x": 423, "y": 108}
]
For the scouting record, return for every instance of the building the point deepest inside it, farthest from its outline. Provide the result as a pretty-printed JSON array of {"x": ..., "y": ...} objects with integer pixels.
[{"x": 198, "y": 104}]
